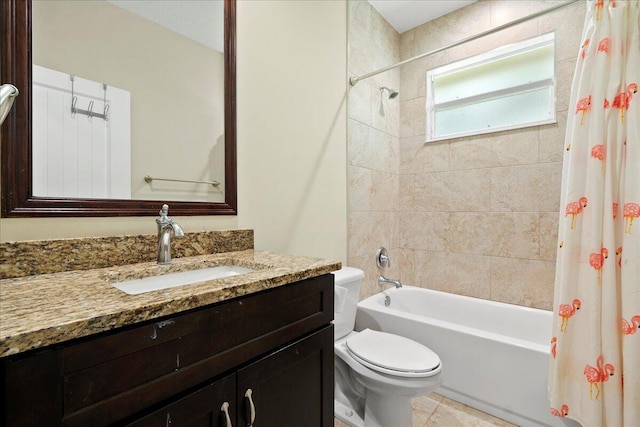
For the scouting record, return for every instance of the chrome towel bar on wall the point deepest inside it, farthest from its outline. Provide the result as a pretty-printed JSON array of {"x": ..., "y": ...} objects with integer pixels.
[{"x": 148, "y": 179}]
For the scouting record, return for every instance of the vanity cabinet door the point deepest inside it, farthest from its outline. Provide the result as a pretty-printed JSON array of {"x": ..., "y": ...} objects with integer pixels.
[
  {"x": 290, "y": 388},
  {"x": 211, "y": 406}
]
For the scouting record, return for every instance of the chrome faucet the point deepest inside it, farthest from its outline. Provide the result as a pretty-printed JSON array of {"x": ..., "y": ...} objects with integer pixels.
[
  {"x": 382, "y": 261},
  {"x": 384, "y": 281},
  {"x": 166, "y": 226}
]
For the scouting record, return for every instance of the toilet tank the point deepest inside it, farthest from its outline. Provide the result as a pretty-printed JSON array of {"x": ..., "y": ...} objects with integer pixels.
[{"x": 346, "y": 294}]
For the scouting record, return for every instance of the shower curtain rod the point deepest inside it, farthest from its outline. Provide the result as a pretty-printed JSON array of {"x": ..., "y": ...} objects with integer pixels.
[{"x": 354, "y": 80}]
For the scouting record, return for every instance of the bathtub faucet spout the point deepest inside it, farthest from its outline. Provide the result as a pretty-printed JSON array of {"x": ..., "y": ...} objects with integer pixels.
[{"x": 384, "y": 281}]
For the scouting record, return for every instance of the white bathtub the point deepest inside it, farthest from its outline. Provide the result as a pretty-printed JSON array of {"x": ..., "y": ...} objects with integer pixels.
[{"x": 495, "y": 356}]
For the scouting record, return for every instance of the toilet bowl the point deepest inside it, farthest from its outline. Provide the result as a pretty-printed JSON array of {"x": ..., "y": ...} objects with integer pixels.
[{"x": 376, "y": 373}]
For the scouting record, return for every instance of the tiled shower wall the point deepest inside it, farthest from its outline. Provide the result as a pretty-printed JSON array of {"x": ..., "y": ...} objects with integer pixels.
[
  {"x": 374, "y": 138},
  {"x": 477, "y": 215}
]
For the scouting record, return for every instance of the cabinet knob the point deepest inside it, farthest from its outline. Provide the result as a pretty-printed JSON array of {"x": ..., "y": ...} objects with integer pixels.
[
  {"x": 252, "y": 408},
  {"x": 225, "y": 410}
]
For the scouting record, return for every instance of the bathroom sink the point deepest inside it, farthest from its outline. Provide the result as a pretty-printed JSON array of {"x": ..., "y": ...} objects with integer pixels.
[{"x": 171, "y": 280}]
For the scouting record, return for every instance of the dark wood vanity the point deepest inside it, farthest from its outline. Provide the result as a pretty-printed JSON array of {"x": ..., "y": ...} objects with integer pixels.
[{"x": 268, "y": 353}]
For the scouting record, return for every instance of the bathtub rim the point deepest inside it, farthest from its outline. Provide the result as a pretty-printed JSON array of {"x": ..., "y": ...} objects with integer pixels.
[{"x": 375, "y": 302}]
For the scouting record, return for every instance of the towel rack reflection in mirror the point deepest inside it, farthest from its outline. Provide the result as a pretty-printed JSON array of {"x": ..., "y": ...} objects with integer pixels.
[
  {"x": 89, "y": 111},
  {"x": 148, "y": 179}
]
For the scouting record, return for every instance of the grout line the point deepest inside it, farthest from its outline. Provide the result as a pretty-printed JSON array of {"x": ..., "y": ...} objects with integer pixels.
[{"x": 432, "y": 413}]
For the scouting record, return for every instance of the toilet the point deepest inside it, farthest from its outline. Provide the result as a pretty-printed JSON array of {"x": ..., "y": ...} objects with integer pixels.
[{"x": 376, "y": 373}]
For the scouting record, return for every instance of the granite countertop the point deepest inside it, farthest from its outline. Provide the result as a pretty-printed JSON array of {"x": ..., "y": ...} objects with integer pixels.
[{"x": 45, "y": 309}]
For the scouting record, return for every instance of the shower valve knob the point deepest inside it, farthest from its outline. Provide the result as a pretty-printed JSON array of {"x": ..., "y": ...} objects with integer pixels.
[{"x": 382, "y": 258}]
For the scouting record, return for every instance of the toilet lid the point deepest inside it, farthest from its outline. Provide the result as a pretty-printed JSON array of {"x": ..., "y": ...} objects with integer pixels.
[{"x": 392, "y": 354}]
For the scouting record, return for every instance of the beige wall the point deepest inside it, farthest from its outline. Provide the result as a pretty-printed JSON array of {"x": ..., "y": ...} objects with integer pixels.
[
  {"x": 292, "y": 125},
  {"x": 478, "y": 215},
  {"x": 291, "y": 137}
]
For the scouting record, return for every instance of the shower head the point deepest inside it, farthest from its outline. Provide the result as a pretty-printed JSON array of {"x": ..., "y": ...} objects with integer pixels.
[{"x": 392, "y": 92}]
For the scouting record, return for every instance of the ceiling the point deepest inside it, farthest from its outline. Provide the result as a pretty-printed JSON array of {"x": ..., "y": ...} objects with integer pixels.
[
  {"x": 199, "y": 20},
  {"x": 404, "y": 15},
  {"x": 193, "y": 18}
]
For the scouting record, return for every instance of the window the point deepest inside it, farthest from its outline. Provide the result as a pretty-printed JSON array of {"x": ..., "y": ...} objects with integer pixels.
[{"x": 507, "y": 88}]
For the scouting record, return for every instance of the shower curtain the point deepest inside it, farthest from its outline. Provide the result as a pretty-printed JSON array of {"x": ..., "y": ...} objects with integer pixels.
[{"x": 594, "y": 374}]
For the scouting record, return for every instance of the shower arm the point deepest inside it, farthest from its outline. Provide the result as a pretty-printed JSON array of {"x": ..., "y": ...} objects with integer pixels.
[{"x": 355, "y": 79}]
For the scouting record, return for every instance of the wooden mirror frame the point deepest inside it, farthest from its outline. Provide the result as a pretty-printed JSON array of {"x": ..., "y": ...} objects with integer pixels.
[{"x": 16, "y": 134}]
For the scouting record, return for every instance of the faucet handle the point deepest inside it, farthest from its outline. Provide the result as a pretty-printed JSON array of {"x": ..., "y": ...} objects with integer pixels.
[
  {"x": 164, "y": 212},
  {"x": 382, "y": 258},
  {"x": 164, "y": 215}
]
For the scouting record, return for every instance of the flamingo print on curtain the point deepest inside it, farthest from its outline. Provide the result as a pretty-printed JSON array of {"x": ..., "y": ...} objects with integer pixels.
[{"x": 594, "y": 374}]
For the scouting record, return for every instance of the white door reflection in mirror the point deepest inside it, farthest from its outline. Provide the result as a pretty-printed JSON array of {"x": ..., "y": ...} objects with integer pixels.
[{"x": 82, "y": 154}]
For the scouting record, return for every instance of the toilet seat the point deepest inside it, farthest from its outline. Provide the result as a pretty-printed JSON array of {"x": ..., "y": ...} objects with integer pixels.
[{"x": 392, "y": 354}]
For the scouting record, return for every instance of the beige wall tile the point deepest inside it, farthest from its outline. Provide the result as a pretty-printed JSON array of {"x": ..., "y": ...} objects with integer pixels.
[
  {"x": 421, "y": 197},
  {"x": 360, "y": 51},
  {"x": 453, "y": 27},
  {"x": 407, "y": 45},
  {"x": 523, "y": 282},
  {"x": 427, "y": 231},
  {"x": 517, "y": 147},
  {"x": 359, "y": 22},
  {"x": 359, "y": 181},
  {"x": 445, "y": 271},
  {"x": 420, "y": 123},
  {"x": 372, "y": 190},
  {"x": 359, "y": 60},
  {"x": 469, "y": 190},
  {"x": 504, "y": 11},
  {"x": 359, "y": 103},
  {"x": 412, "y": 117},
  {"x": 551, "y": 145},
  {"x": 487, "y": 43},
  {"x": 509, "y": 234},
  {"x": 384, "y": 191},
  {"x": 372, "y": 149},
  {"x": 412, "y": 79},
  {"x": 564, "y": 78},
  {"x": 416, "y": 156},
  {"x": 370, "y": 230},
  {"x": 385, "y": 40},
  {"x": 526, "y": 188},
  {"x": 455, "y": 191},
  {"x": 413, "y": 75},
  {"x": 548, "y": 235},
  {"x": 567, "y": 23},
  {"x": 358, "y": 141},
  {"x": 407, "y": 266},
  {"x": 384, "y": 151},
  {"x": 406, "y": 198}
]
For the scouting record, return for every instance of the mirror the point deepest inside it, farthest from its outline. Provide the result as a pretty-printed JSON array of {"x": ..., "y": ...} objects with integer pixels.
[{"x": 22, "y": 196}]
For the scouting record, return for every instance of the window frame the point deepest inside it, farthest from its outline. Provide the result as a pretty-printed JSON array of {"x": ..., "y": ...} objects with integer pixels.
[{"x": 479, "y": 61}]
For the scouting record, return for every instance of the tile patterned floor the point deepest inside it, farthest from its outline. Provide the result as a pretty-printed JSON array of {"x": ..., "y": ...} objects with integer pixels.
[{"x": 434, "y": 410}]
